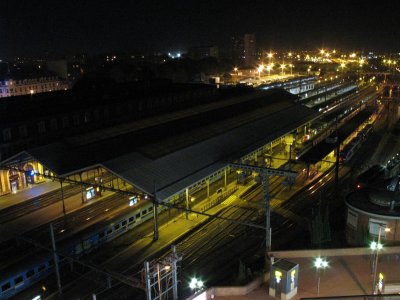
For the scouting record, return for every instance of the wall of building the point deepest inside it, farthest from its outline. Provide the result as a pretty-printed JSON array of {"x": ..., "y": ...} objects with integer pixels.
[
  {"x": 362, "y": 227},
  {"x": 10, "y": 88},
  {"x": 250, "y": 50}
]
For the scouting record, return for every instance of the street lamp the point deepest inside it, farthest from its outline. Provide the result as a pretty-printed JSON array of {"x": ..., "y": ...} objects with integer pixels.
[
  {"x": 291, "y": 67},
  {"x": 320, "y": 263},
  {"x": 342, "y": 65},
  {"x": 196, "y": 285},
  {"x": 283, "y": 68},
  {"x": 260, "y": 68},
  {"x": 376, "y": 246},
  {"x": 235, "y": 69},
  {"x": 269, "y": 67}
]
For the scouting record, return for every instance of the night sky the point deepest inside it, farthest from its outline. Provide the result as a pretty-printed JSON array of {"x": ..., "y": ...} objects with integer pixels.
[{"x": 33, "y": 27}]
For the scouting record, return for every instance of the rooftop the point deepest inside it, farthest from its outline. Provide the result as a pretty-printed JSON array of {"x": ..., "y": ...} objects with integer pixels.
[
  {"x": 375, "y": 201},
  {"x": 177, "y": 149}
]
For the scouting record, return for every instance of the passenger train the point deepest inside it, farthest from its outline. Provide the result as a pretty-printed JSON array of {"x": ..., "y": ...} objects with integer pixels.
[
  {"x": 25, "y": 273},
  {"x": 351, "y": 148},
  {"x": 295, "y": 86}
]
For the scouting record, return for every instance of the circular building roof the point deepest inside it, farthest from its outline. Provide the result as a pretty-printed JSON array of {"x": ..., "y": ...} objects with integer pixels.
[{"x": 374, "y": 201}]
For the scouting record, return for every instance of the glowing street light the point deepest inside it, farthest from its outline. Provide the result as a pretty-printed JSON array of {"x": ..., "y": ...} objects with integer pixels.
[
  {"x": 320, "y": 263},
  {"x": 236, "y": 70},
  {"x": 376, "y": 246},
  {"x": 342, "y": 65},
  {"x": 270, "y": 55},
  {"x": 291, "y": 68},
  {"x": 283, "y": 66},
  {"x": 196, "y": 285},
  {"x": 260, "y": 69},
  {"x": 269, "y": 68}
]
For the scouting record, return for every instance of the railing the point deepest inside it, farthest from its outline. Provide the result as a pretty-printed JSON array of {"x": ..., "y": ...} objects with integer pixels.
[{"x": 360, "y": 297}]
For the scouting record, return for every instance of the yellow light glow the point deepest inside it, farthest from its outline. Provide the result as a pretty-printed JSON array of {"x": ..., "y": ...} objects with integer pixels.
[{"x": 278, "y": 276}]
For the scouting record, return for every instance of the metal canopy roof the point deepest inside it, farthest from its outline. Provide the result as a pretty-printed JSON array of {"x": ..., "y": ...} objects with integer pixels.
[
  {"x": 191, "y": 159},
  {"x": 322, "y": 149}
]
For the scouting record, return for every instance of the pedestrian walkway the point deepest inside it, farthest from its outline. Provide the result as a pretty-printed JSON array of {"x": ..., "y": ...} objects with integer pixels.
[{"x": 345, "y": 276}]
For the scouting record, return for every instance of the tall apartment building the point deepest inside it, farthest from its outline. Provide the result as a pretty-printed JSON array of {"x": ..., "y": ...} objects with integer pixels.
[{"x": 250, "y": 50}]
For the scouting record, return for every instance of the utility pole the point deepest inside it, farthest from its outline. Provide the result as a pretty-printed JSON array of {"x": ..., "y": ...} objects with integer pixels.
[
  {"x": 265, "y": 173},
  {"x": 337, "y": 158},
  {"x": 62, "y": 198},
  {"x": 53, "y": 243},
  {"x": 155, "y": 215},
  {"x": 159, "y": 275}
]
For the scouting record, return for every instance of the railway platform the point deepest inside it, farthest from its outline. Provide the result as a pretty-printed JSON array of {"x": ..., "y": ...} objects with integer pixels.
[{"x": 28, "y": 193}]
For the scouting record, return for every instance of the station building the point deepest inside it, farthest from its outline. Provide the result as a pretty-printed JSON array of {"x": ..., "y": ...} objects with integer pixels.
[
  {"x": 40, "y": 119},
  {"x": 173, "y": 154},
  {"x": 370, "y": 210}
]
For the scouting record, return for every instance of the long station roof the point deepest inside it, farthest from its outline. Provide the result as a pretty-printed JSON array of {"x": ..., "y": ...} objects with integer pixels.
[{"x": 173, "y": 151}]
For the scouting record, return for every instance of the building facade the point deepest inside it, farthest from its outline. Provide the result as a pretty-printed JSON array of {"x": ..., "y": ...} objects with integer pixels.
[
  {"x": 12, "y": 87},
  {"x": 250, "y": 50},
  {"x": 368, "y": 212}
]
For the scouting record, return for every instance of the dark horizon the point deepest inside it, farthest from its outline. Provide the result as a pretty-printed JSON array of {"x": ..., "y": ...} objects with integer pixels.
[{"x": 30, "y": 28}]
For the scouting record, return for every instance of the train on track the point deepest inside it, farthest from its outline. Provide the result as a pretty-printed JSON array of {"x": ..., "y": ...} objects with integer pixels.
[
  {"x": 351, "y": 148},
  {"x": 38, "y": 266}
]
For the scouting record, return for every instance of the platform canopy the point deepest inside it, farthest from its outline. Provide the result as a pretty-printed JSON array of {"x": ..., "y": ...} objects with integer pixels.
[{"x": 176, "y": 150}]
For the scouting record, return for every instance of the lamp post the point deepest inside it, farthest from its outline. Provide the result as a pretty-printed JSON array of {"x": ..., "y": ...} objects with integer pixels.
[
  {"x": 376, "y": 246},
  {"x": 235, "y": 69},
  {"x": 259, "y": 69},
  {"x": 270, "y": 55},
  {"x": 269, "y": 67},
  {"x": 342, "y": 65},
  {"x": 320, "y": 263},
  {"x": 283, "y": 68}
]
